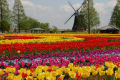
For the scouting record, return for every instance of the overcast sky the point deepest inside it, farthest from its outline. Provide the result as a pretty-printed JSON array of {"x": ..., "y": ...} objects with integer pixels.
[{"x": 56, "y": 12}]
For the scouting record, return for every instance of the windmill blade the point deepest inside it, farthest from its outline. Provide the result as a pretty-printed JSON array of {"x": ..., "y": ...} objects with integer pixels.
[
  {"x": 81, "y": 6},
  {"x": 69, "y": 18},
  {"x": 71, "y": 6}
]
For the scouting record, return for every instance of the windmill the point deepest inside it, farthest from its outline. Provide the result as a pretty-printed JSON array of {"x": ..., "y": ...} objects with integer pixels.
[{"x": 76, "y": 18}]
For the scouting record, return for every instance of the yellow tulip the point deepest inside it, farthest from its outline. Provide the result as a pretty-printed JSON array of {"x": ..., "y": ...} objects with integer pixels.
[
  {"x": 29, "y": 77},
  {"x": 10, "y": 70},
  {"x": 58, "y": 72},
  {"x": 10, "y": 76},
  {"x": 85, "y": 74},
  {"x": 119, "y": 70},
  {"x": 63, "y": 68},
  {"x": 22, "y": 70},
  {"x": 67, "y": 70},
  {"x": 28, "y": 72},
  {"x": 110, "y": 64},
  {"x": 70, "y": 65},
  {"x": 72, "y": 74},
  {"x": 45, "y": 68},
  {"x": 62, "y": 77},
  {"x": 109, "y": 72},
  {"x": 94, "y": 73},
  {"x": 102, "y": 73},
  {"x": 50, "y": 78},
  {"x": 1, "y": 72},
  {"x": 18, "y": 51},
  {"x": 40, "y": 76},
  {"x": 54, "y": 74},
  {"x": 117, "y": 74},
  {"x": 46, "y": 74},
  {"x": 86, "y": 69},
  {"x": 19, "y": 77}
]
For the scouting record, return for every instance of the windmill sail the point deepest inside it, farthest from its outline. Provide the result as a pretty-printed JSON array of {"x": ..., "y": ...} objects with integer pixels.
[
  {"x": 69, "y": 18},
  {"x": 71, "y": 5}
]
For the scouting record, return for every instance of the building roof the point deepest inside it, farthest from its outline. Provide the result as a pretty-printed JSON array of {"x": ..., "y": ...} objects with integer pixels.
[
  {"x": 108, "y": 27},
  {"x": 36, "y": 29}
]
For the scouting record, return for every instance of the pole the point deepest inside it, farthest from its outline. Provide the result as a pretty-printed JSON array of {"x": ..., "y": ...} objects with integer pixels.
[{"x": 88, "y": 17}]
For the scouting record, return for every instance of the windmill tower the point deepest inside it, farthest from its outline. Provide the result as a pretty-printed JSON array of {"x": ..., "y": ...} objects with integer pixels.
[
  {"x": 79, "y": 15},
  {"x": 76, "y": 17}
]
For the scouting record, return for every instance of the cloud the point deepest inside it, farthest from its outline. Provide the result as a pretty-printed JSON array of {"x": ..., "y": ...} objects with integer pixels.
[
  {"x": 105, "y": 11},
  {"x": 68, "y": 8},
  {"x": 11, "y": 3},
  {"x": 27, "y": 3},
  {"x": 31, "y": 5},
  {"x": 112, "y": 3},
  {"x": 104, "y": 8},
  {"x": 101, "y": 8},
  {"x": 58, "y": 15}
]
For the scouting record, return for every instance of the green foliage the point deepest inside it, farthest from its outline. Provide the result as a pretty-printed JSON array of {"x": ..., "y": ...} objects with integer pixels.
[
  {"x": 95, "y": 31},
  {"x": 25, "y": 24},
  {"x": 68, "y": 30},
  {"x": 33, "y": 23},
  {"x": 82, "y": 21},
  {"x": 4, "y": 14},
  {"x": 94, "y": 16},
  {"x": 18, "y": 14},
  {"x": 45, "y": 26},
  {"x": 55, "y": 29},
  {"x": 115, "y": 18},
  {"x": 5, "y": 25}
]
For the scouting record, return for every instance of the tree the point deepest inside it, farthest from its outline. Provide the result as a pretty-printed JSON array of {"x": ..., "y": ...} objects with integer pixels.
[
  {"x": 33, "y": 23},
  {"x": 25, "y": 24},
  {"x": 45, "y": 26},
  {"x": 68, "y": 30},
  {"x": 18, "y": 14},
  {"x": 4, "y": 14},
  {"x": 88, "y": 15},
  {"x": 115, "y": 18},
  {"x": 55, "y": 29},
  {"x": 6, "y": 25}
]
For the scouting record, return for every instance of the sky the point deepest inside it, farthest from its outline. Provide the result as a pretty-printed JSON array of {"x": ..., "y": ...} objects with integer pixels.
[{"x": 56, "y": 12}]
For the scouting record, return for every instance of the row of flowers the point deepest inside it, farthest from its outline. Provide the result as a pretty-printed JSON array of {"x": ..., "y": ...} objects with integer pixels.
[
  {"x": 49, "y": 47},
  {"x": 25, "y": 57},
  {"x": 109, "y": 71},
  {"x": 17, "y": 37},
  {"x": 34, "y": 38},
  {"x": 1, "y": 36},
  {"x": 62, "y": 59},
  {"x": 108, "y": 52},
  {"x": 41, "y": 39}
]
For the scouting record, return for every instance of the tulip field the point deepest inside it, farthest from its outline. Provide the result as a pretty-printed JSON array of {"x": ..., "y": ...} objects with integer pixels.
[{"x": 66, "y": 56}]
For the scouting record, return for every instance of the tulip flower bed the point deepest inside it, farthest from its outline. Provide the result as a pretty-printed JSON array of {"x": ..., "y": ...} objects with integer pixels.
[
  {"x": 1, "y": 36},
  {"x": 109, "y": 71},
  {"x": 62, "y": 59},
  {"x": 59, "y": 57},
  {"x": 47, "y": 43}
]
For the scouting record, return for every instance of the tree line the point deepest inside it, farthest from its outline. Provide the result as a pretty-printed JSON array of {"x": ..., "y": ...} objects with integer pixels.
[
  {"x": 94, "y": 16},
  {"x": 17, "y": 19}
]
